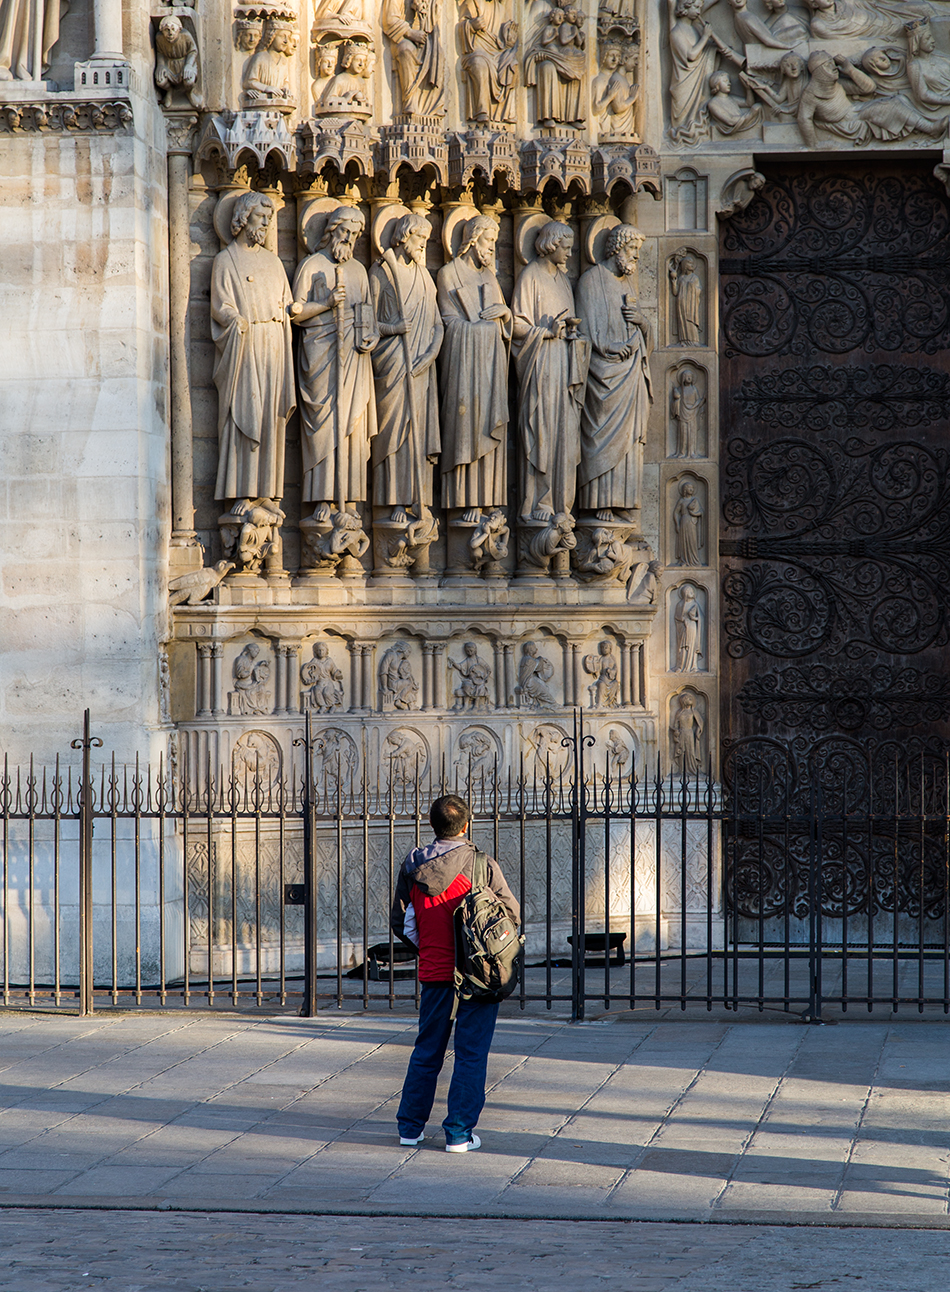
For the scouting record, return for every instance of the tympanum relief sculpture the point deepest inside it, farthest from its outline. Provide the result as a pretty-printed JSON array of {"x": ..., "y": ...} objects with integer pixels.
[
  {"x": 489, "y": 65},
  {"x": 176, "y": 63},
  {"x": 555, "y": 65},
  {"x": 412, "y": 29},
  {"x": 250, "y": 298}
]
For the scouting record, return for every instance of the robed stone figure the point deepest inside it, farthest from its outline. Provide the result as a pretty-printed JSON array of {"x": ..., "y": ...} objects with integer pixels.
[
  {"x": 474, "y": 370},
  {"x": 407, "y": 400},
  {"x": 618, "y": 396},
  {"x": 253, "y": 370},
  {"x": 333, "y": 307},
  {"x": 551, "y": 362}
]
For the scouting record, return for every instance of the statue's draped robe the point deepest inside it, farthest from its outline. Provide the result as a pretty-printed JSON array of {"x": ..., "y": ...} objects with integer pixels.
[
  {"x": 687, "y": 519},
  {"x": 689, "y": 82},
  {"x": 617, "y": 400},
  {"x": 28, "y": 31},
  {"x": 419, "y": 68},
  {"x": 253, "y": 371},
  {"x": 336, "y": 425},
  {"x": 408, "y": 425},
  {"x": 551, "y": 376},
  {"x": 474, "y": 367}
]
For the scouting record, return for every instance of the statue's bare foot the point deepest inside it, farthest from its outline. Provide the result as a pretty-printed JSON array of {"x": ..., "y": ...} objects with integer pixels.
[
  {"x": 400, "y": 516},
  {"x": 321, "y": 513},
  {"x": 471, "y": 516},
  {"x": 604, "y": 514},
  {"x": 543, "y": 514}
]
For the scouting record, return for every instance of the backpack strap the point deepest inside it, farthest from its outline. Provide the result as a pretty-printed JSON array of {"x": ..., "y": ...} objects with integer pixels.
[{"x": 480, "y": 870}]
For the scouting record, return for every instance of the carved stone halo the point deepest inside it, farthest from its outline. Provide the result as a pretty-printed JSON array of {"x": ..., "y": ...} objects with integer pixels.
[
  {"x": 528, "y": 230},
  {"x": 453, "y": 226},
  {"x": 596, "y": 237},
  {"x": 384, "y": 223},
  {"x": 223, "y": 211},
  {"x": 313, "y": 218}
]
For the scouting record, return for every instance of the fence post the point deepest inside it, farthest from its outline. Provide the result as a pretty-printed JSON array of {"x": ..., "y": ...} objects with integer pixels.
[
  {"x": 86, "y": 814},
  {"x": 309, "y": 1007},
  {"x": 578, "y": 867}
]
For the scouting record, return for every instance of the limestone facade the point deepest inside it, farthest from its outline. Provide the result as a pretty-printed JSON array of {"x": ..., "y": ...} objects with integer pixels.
[{"x": 578, "y": 552}]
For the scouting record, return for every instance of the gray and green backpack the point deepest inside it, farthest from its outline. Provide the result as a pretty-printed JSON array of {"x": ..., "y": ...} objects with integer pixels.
[{"x": 488, "y": 946}]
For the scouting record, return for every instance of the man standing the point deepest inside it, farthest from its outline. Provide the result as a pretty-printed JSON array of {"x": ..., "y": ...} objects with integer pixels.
[{"x": 432, "y": 882}]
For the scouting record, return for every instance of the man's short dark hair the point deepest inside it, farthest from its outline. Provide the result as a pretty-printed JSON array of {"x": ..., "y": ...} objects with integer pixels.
[{"x": 449, "y": 816}]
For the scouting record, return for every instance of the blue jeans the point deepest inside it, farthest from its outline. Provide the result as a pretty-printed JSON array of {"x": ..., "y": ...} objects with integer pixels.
[{"x": 474, "y": 1028}]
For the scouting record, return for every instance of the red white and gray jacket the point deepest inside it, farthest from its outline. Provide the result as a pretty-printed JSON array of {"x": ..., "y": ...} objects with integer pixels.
[{"x": 432, "y": 882}]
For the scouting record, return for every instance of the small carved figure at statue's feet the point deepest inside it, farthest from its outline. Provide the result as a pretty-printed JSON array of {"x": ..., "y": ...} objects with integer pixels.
[{"x": 471, "y": 516}]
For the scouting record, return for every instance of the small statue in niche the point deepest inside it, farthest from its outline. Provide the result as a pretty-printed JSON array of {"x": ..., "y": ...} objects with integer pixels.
[
  {"x": 265, "y": 77},
  {"x": 688, "y": 525},
  {"x": 534, "y": 673},
  {"x": 489, "y": 543},
  {"x": 489, "y": 60},
  {"x": 555, "y": 64},
  {"x": 250, "y": 327},
  {"x": 614, "y": 93},
  {"x": 398, "y": 688},
  {"x": 729, "y": 116},
  {"x": 332, "y": 303},
  {"x": 618, "y": 394},
  {"x": 474, "y": 369},
  {"x": 551, "y": 359},
  {"x": 602, "y": 667},
  {"x": 686, "y": 404},
  {"x": 251, "y": 677},
  {"x": 686, "y": 735},
  {"x": 687, "y": 291},
  {"x": 176, "y": 62},
  {"x": 348, "y": 90},
  {"x": 688, "y": 621},
  {"x": 323, "y": 680},
  {"x": 406, "y": 443},
  {"x": 474, "y": 677},
  {"x": 412, "y": 29}
]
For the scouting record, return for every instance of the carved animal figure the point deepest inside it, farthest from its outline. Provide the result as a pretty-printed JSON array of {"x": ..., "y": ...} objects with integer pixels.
[{"x": 197, "y": 584}]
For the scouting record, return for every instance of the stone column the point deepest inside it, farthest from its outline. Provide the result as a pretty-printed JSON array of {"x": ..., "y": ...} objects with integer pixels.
[
  {"x": 428, "y": 674},
  {"x": 624, "y": 673},
  {"x": 577, "y": 675},
  {"x": 356, "y": 685},
  {"x": 367, "y": 697},
  {"x": 203, "y": 697},
  {"x": 217, "y": 691},
  {"x": 635, "y": 650},
  {"x": 180, "y": 133},
  {"x": 292, "y": 679},
  {"x": 501, "y": 699},
  {"x": 280, "y": 663},
  {"x": 107, "y": 22},
  {"x": 438, "y": 670},
  {"x": 509, "y": 674}
]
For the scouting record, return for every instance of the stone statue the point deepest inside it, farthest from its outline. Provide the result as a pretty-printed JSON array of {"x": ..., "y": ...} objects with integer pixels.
[
  {"x": 686, "y": 735},
  {"x": 323, "y": 680},
  {"x": 489, "y": 542},
  {"x": 250, "y": 532},
  {"x": 474, "y": 369},
  {"x": 412, "y": 29},
  {"x": 397, "y": 686},
  {"x": 247, "y": 33},
  {"x": 555, "y": 64},
  {"x": 687, "y": 291},
  {"x": 688, "y": 620},
  {"x": 348, "y": 90},
  {"x": 265, "y": 77},
  {"x": 729, "y": 116},
  {"x": 688, "y": 525},
  {"x": 474, "y": 677},
  {"x": 334, "y": 756},
  {"x": 602, "y": 667},
  {"x": 614, "y": 93},
  {"x": 686, "y": 404},
  {"x": 342, "y": 13},
  {"x": 338, "y": 538},
  {"x": 826, "y": 104},
  {"x": 489, "y": 60},
  {"x": 618, "y": 396},
  {"x": 784, "y": 100},
  {"x": 194, "y": 586},
  {"x": 784, "y": 26},
  {"x": 28, "y": 31},
  {"x": 405, "y": 756},
  {"x": 927, "y": 72},
  {"x": 551, "y": 361},
  {"x": 254, "y": 367},
  {"x": 332, "y": 303},
  {"x": 618, "y": 753},
  {"x": 251, "y": 677},
  {"x": 540, "y": 544},
  {"x": 841, "y": 19},
  {"x": 176, "y": 62},
  {"x": 406, "y": 443},
  {"x": 694, "y": 53},
  {"x": 751, "y": 29},
  {"x": 605, "y": 556},
  {"x": 550, "y": 754},
  {"x": 477, "y": 757},
  {"x": 534, "y": 673}
]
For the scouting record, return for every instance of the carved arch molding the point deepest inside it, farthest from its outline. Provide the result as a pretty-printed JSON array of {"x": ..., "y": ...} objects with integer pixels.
[{"x": 835, "y": 452}]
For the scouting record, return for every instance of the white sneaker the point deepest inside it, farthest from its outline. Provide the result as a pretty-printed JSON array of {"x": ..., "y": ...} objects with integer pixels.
[
  {"x": 409, "y": 1140},
  {"x": 468, "y": 1146}
]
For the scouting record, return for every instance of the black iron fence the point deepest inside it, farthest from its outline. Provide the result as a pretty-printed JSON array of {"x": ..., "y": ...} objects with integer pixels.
[{"x": 807, "y": 879}]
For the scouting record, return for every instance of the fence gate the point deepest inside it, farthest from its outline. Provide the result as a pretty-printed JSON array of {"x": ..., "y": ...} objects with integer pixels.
[{"x": 814, "y": 877}]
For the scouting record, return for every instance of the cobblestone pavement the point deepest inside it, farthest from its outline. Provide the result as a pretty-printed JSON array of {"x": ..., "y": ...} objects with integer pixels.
[
  {"x": 43, "y": 1251},
  {"x": 634, "y": 1119}
]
